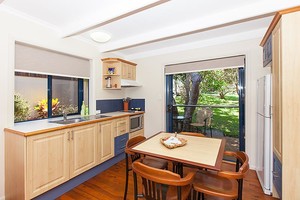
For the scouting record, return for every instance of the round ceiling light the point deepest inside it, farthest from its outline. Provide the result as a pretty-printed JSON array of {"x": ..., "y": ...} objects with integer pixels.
[{"x": 100, "y": 37}]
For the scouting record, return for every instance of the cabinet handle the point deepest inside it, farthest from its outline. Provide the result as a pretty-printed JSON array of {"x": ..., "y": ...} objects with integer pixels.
[
  {"x": 275, "y": 174},
  {"x": 72, "y": 135},
  {"x": 68, "y": 135}
]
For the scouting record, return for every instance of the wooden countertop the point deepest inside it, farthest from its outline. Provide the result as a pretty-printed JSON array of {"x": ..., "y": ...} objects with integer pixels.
[{"x": 43, "y": 126}]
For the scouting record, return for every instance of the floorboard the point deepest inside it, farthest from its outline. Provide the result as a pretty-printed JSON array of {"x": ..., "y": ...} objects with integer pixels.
[{"x": 109, "y": 185}]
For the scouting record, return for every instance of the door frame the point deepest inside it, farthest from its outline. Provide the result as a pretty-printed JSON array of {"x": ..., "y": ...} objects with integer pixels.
[{"x": 241, "y": 92}]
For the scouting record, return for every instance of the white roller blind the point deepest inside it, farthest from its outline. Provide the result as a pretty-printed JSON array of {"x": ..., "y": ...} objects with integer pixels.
[
  {"x": 220, "y": 63},
  {"x": 38, "y": 60}
]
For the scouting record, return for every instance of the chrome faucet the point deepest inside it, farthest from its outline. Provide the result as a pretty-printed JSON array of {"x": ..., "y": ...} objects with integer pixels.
[{"x": 64, "y": 115}]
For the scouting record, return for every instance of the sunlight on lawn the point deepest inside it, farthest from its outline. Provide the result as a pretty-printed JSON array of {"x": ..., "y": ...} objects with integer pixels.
[{"x": 224, "y": 119}]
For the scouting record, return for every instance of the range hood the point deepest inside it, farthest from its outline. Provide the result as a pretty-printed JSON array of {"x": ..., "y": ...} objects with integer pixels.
[{"x": 129, "y": 83}]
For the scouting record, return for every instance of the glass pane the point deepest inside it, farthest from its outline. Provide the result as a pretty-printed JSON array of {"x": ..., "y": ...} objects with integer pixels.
[
  {"x": 30, "y": 96},
  {"x": 215, "y": 92},
  {"x": 86, "y": 91},
  {"x": 64, "y": 95}
]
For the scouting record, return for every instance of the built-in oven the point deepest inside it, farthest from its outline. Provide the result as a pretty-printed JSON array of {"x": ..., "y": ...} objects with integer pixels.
[{"x": 136, "y": 122}]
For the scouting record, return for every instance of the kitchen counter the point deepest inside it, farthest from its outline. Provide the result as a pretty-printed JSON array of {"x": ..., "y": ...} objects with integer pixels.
[{"x": 45, "y": 125}]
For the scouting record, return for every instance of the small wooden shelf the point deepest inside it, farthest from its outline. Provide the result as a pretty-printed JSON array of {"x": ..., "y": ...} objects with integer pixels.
[
  {"x": 111, "y": 74},
  {"x": 117, "y": 69}
]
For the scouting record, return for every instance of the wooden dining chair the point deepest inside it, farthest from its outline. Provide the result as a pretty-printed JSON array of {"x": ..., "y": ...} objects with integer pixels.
[
  {"x": 203, "y": 119},
  {"x": 161, "y": 184},
  {"x": 223, "y": 184},
  {"x": 131, "y": 157}
]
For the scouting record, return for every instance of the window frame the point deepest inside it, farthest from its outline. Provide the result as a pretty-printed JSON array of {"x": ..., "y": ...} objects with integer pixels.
[{"x": 49, "y": 89}]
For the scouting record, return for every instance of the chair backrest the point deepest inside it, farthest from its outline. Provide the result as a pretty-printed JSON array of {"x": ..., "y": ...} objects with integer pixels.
[
  {"x": 203, "y": 115},
  {"x": 131, "y": 142},
  {"x": 134, "y": 140},
  {"x": 156, "y": 182},
  {"x": 242, "y": 168},
  {"x": 192, "y": 134},
  {"x": 242, "y": 165}
]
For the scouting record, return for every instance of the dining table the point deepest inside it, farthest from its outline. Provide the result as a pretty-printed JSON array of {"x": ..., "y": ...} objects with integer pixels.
[{"x": 202, "y": 152}]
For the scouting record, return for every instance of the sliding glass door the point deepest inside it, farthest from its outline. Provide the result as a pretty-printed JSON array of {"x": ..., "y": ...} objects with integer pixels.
[{"x": 211, "y": 102}]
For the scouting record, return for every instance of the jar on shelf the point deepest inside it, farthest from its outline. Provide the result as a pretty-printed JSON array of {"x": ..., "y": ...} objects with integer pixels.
[{"x": 108, "y": 82}]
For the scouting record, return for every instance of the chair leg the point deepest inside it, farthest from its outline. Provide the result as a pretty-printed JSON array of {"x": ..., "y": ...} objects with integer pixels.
[
  {"x": 126, "y": 181},
  {"x": 174, "y": 167},
  {"x": 198, "y": 196},
  {"x": 135, "y": 186},
  {"x": 240, "y": 189}
]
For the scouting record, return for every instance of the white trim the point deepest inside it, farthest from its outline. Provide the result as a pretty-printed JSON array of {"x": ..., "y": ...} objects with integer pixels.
[{"x": 200, "y": 44}]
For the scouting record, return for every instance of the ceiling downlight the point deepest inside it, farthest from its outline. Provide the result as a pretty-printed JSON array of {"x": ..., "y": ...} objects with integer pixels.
[{"x": 100, "y": 37}]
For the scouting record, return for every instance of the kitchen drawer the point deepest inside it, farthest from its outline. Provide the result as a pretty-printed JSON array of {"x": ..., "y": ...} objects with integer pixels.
[
  {"x": 122, "y": 126},
  {"x": 277, "y": 175},
  {"x": 136, "y": 133},
  {"x": 120, "y": 143}
]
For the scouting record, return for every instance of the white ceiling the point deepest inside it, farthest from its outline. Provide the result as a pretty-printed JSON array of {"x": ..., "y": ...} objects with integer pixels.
[{"x": 149, "y": 27}]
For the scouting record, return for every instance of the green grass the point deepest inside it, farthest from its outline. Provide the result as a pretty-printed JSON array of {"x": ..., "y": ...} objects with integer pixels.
[{"x": 224, "y": 119}]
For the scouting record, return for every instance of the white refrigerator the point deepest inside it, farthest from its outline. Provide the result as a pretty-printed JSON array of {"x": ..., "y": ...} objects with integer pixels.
[{"x": 264, "y": 137}]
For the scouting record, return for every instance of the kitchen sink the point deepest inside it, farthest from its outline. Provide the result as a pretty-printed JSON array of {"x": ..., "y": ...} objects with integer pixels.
[
  {"x": 69, "y": 121},
  {"x": 78, "y": 119}
]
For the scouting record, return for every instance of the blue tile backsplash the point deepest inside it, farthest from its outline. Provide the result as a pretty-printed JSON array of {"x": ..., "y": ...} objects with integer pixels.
[
  {"x": 112, "y": 105},
  {"x": 137, "y": 103}
]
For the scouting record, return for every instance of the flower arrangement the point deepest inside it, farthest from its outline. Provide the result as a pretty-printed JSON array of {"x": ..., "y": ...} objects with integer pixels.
[{"x": 42, "y": 107}]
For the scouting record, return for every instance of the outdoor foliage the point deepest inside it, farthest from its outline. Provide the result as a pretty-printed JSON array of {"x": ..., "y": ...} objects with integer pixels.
[
  {"x": 214, "y": 87},
  {"x": 223, "y": 81},
  {"x": 189, "y": 93},
  {"x": 57, "y": 108},
  {"x": 21, "y": 108},
  {"x": 42, "y": 107},
  {"x": 224, "y": 119}
]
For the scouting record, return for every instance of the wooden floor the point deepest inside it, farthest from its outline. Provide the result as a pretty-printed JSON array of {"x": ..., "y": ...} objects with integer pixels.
[{"x": 109, "y": 185}]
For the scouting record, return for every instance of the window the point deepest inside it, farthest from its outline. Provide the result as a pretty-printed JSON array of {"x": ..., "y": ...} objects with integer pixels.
[{"x": 44, "y": 96}]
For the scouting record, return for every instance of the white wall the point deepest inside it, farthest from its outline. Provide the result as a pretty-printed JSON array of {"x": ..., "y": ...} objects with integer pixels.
[
  {"x": 150, "y": 74},
  {"x": 14, "y": 28}
]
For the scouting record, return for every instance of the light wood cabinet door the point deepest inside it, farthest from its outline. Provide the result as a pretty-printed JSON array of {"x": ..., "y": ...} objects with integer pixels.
[
  {"x": 47, "y": 161},
  {"x": 83, "y": 141},
  {"x": 133, "y": 72},
  {"x": 130, "y": 72},
  {"x": 124, "y": 71},
  {"x": 105, "y": 141},
  {"x": 276, "y": 91}
]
